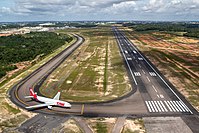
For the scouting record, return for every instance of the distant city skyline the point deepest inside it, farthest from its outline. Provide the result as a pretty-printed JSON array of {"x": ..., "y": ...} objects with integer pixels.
[{"x": 99, "y": 10}]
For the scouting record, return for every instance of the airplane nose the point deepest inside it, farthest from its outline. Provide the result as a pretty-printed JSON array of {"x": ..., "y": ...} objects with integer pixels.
[{"x": 68, "y": 105}]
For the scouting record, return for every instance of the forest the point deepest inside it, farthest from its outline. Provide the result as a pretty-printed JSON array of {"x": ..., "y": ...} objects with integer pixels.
[
  {"x": 19, "y": 48},
  {"x": 189, "y": 29}
]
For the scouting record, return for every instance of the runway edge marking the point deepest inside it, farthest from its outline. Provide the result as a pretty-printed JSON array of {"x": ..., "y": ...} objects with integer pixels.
[{"x": 126, "y": 61}]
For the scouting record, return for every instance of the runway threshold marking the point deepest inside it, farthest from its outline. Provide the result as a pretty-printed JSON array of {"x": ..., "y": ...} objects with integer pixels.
[{"x": 165, "y": 106}]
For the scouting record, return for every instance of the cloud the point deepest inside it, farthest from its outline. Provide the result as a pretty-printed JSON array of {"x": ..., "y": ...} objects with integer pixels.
[
  {"x": 155, "y": 6},
  {"x": 173, "y": 6},
  {"x": 120, "y": 8},
  {"x": 93, "y": 9},
  {"x": 5, "y": 10},
  {"x": 68, "y": 6}
]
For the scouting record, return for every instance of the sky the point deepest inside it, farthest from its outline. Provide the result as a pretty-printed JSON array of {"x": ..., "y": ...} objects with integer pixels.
[{"x": 99, "y": 10}]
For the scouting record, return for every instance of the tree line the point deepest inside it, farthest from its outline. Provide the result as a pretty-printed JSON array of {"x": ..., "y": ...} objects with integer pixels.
[
  {"x": 191, "y": 30},
  {"x": 19, "y": 48}
]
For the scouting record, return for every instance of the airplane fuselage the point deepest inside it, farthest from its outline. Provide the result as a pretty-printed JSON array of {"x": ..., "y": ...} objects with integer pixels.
[{"x": 56, "y": 102}]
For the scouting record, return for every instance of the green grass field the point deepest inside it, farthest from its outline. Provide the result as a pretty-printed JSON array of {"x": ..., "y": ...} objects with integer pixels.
[{"x": 94, "y": 72}]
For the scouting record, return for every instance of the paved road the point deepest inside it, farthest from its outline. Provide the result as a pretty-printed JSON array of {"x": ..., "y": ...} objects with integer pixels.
[
  {"x": 152, "y": 94},
  {"x": 119, "y": 124},
  {"x": 43, "y": 124},
  {"x": 83, "y": 125},
  {"x": 35, "y": 79},
  {"x": 166, "y": 125}
]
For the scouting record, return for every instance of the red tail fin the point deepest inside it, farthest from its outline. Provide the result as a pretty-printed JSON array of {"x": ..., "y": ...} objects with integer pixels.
[{"x": 32, "y": 93}]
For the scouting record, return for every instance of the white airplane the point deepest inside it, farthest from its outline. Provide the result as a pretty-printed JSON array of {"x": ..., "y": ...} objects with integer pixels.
[{"x": 48, "y": 102}]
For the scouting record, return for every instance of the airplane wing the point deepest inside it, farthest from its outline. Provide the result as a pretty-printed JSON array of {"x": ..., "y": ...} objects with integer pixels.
[
  {"x": 57, "y": 96},
  {"x": 29, "y": 97},
  {"x": 40, "y": 105}
]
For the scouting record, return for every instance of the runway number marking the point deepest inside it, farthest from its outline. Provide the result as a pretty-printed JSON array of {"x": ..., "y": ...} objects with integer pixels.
[
  {"x": 140, "y": 58},
  {"x": 129, "y": 58},
  {"x": 137, "y": 74},
  {"x": 166, "y": 106},
  {"x": 152, "y": 74},
  {"x": 161, "y": 96}
]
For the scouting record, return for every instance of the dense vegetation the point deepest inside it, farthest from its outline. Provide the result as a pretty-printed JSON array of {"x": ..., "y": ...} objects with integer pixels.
[
  {"x": 18, "y": 48},
  {"x": 54, "y": 24},
  {"x": 72, "y": 24},
  {"x": 191, "y": 30}
]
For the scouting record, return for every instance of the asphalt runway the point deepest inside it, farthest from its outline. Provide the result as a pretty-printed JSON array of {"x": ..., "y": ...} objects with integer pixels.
[
  {"x": 157, "y": 93},
  {"x": 152, "y": 94}
]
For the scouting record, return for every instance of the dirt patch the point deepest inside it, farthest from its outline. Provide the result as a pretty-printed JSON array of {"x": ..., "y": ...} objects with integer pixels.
[
  {"x": 71, "y": 126},
  {"x": 134, "y": 126},
  {"x": 100, "y": 125}
]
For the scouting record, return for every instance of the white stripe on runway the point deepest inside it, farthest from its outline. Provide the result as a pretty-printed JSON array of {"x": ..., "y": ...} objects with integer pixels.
[
  {"x": 143, "y": 71},
  {"x": 171, "y": 106},
  {"x": 168, "y": 106},
  {"x": 160, "y": 106},
  {"x": 151, "y": 106},
  {"x": 177, "y": 106},
  {"x": 154, "y": 88},
  {"x": 129, "y": 58},
  {"x": 178, "y": 102},
  {"x": 163, "y": 106},
  {"x": 157, "y": 106},
  {"x": 148, "y": 106},
  {"x": 174, "y": 106},
  {"x": 148, "y": 79},
  {"x": 127, "y": 62},
  {"x": 154, "y": 106},
  {"x": 185, "y": 107}
]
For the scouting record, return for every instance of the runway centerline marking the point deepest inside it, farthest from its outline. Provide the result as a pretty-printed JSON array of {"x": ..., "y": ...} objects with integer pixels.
[
  {"x": 148, "y": 79},
  {"x": 127, "y": 62},
  {"x": 143, "y": 71},
  {"x": 154, "y": 88}
]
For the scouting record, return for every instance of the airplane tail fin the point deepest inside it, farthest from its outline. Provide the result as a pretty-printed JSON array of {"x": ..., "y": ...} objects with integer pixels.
[
  {"x": 57, "y": 96},
  {"x": 33, "y": 94}
]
